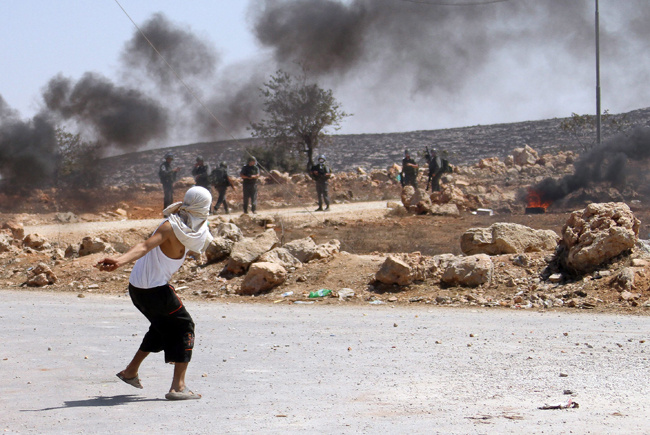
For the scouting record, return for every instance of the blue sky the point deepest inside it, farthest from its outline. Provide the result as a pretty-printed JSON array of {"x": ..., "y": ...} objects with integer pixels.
[{"x": 547, "y": 76}]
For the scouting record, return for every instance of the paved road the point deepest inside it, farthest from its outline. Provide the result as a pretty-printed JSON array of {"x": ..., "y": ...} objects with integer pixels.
[{"x": 323, "y": 369}]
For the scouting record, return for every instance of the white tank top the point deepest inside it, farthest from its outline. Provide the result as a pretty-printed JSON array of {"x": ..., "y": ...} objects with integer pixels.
[{"x": 154, "y": 269}]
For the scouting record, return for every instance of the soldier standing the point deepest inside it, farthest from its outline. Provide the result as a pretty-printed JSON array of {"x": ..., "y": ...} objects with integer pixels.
[
  {"x": 409, "y": 170},
  {"x": 167, "y": 176},
  {"x": 250, "y": 174},
  {"x": 221, "y": 182},
  {"x": 201, "y": 172},
  {"x": 435, "y": 171},
  {"x": 321, "y": 174}
]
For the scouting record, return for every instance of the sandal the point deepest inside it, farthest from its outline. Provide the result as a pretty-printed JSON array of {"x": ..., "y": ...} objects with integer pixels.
[
  {"x": 134, "y": 381},
  {"x": 186, "y": 394}
]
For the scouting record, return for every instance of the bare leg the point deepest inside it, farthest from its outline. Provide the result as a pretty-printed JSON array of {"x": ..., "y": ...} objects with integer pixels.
[
  {"x": 178, "y": 383},
  {"x": 131, "y": 371}
]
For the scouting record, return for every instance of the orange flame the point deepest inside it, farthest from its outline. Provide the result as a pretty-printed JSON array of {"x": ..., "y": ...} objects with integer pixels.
[{"x": 534, "y": 200}]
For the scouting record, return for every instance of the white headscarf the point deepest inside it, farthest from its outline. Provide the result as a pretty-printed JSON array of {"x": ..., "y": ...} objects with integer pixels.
[{"x": 189, "y": 219}]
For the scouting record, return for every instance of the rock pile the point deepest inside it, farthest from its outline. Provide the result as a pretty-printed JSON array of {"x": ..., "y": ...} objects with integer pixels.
[{"x": 596, "y": 235}]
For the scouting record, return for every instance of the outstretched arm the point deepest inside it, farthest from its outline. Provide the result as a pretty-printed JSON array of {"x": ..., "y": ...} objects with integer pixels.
[{"x": 163, "y": 233}]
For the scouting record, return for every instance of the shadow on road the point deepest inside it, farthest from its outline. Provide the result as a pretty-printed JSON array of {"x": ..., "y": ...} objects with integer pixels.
[{"x": 98, "y": 401}]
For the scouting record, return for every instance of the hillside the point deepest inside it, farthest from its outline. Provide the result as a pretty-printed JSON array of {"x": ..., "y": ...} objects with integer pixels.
[{"x": 464, "y": 145}]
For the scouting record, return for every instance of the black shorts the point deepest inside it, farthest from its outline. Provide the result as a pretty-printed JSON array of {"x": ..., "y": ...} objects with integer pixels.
[{"x": 172, "y": 327}]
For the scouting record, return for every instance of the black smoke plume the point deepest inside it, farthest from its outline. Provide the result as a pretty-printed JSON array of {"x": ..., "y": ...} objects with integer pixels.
[
  {"x": 190, "y": 57},
  {"x": 27, "y": 149},
  {"x": 115, "y": 115},
  {"x": 608, "y": 162},
  {"x": 432, "y": 46}
]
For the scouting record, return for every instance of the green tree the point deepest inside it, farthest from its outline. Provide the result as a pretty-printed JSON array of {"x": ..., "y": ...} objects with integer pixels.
[{"x": 297, "y": 113}]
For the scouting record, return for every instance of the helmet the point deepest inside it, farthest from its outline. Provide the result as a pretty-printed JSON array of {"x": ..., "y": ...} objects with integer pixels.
[
  {"x": 169, "y": 156},
  {"x": 223, "y": 164},
  {"x": 321, "y": 157},
  {"x": 251, "y": 159},
  {"x": 406, "y": 152},
  {"x": 199, "y": 158}
]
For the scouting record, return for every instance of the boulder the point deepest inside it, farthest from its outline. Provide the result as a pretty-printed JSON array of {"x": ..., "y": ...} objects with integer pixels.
[
  {"x": 42, "y": 275},
  {"x": 228, "y": 231},
  {"x": 219, "y": 249},
  {"x": 35, "y": 241},
  {"x": 247, "y": 250},
  {"x": 282, "y": 257},
  {"x": 597, "y": 234},
  {"x": 326, "y": 250},
  {"x": 507, "y": 238},
  {"x": 6, "y": 241},
  {"x": 444, "y": 210},
  {"x": 525, "y": 156},
  {"x": 16, "y": 228},
  {"x": 416, "y": 200},
  {"x": 67, "y": 217},
  {"x": 93, "y": 245},
  {"x": 277, "y": 177},
  {"x": 303, "y": 249},
  {"x": 406, "y": 268},
  {"x": 71, "y": 251},
  {"x": 394, "y": 271},
  {"x": 262, "y": 277},
  {"x": 469, "y": 271}
]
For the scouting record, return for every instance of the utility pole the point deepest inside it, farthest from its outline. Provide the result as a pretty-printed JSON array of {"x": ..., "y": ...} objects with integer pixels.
[{"x": 598, "y": 124}]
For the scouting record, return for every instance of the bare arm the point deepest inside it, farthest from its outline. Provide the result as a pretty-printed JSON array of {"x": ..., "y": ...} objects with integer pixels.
[{"x": 162, "y": 234}]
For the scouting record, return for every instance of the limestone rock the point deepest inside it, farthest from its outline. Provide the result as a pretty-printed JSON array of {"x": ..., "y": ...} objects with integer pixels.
[
  {"x": 303, "y": 249},
  {"x": 597, "y": 234},
  {"x": 407, "y": 268},
  {"x": 416, "y": 200},
  {"x": 525, "y": 156},
  {"x": 262, "y": 277},
  {"x": 507, "y": 238},
  {"x": 93, "y": 245},
  {"x": 444, "y": 210},
  {"x": 16, "y": 228},
  {"x": 326, "y": 250},
  {"x": 228, "y": 231},
  {"x": 6, "y": 241},
  {"x": 277, "y": 177},
  {"x": 71, "y": 251},
  {"x": 247, "y": 250},
  {"x": 282, "y": 257},
  {"x": 469, "y": 271},
  {"x": 42, "y": 275},
  {"x": 219, "y": 249},
  {"x": 394, "y": 271},
  {"x": 35, "y": 241}
]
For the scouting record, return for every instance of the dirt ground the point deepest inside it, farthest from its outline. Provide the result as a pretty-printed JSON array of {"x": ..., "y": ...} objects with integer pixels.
[{"x": 368, "y": 233}]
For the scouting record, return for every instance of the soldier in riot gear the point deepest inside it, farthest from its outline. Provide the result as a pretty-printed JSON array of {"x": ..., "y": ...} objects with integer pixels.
[
  {"x": 167, "y": 176},
  {"x": 221, "y": 181},
  {"x": 435, "y": 170},
  {"x": 201, "y": 173},
  {"x": 409, "y": 170},
  {"x": 321, "y": 173},
  {"x": 250, "y": 173}
]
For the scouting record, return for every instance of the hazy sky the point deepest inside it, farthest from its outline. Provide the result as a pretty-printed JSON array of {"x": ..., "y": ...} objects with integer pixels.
[{"x": 396, "y": 65}]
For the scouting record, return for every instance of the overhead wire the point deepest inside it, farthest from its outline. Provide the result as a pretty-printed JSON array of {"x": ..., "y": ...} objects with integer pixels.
[{"x": 203, "y": 105}]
